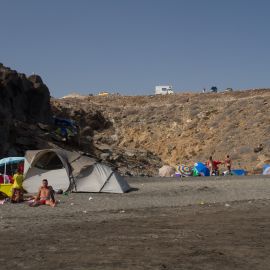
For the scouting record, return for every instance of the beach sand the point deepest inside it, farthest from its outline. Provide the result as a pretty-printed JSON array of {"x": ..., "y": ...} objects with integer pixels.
[{"x": 202, "y": 223}]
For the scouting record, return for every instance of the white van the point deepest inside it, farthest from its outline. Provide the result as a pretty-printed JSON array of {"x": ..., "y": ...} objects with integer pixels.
[{"x": 163, "y": 90}]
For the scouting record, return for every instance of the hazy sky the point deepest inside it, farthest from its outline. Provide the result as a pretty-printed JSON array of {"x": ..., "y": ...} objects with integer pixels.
[{"x": 129, "y": 46}]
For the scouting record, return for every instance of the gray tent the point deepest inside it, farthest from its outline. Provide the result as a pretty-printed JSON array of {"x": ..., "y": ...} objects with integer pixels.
[{"x": 70, "y": 171}]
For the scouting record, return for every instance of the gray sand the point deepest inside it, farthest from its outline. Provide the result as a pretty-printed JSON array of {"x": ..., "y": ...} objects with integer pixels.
[
  {"x": 156, "y": 192},
  {"x": 202, "y": 223}
]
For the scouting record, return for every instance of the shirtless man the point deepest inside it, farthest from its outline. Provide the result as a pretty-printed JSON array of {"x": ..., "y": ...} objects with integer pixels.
[
  {"x": 228, "y": 163},
  {"x": 45, "y": 195}
]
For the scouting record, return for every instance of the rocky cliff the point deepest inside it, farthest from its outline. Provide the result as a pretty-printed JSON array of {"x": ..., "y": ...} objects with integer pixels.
[
  {"x": 24, "y": 101},
  {"x": 27, "y": 123}
]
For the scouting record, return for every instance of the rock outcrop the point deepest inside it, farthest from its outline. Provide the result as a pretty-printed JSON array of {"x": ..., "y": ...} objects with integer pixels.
[{"x": 22, "y": 100}]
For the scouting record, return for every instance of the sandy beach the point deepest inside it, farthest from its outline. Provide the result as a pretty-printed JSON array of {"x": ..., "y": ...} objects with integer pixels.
[{"x": 217, "y": 223}]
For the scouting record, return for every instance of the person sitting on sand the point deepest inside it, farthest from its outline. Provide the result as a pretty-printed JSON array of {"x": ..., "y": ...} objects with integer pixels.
[
  {"x": 228, "y": 163},
  {"x": 213, "y": 166},
  {"x": 17, "y": 189},
  {"x": 45, "y": 195}
]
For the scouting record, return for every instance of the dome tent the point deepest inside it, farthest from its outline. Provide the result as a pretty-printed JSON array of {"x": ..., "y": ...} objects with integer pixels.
[{"x": 70, "y": 171}]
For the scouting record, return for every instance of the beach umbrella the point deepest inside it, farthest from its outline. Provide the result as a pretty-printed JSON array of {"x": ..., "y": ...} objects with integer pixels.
[
  {"x": 184, "y": 170},
  {"x": 10, "y": 160}
]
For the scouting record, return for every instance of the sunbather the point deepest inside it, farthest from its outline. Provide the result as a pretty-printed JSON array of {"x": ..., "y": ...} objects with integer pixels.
[{"x": 45, "y": 195}]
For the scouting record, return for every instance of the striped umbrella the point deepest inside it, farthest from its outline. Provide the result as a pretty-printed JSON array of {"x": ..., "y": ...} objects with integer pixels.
[{"x": 184, "y": 170}]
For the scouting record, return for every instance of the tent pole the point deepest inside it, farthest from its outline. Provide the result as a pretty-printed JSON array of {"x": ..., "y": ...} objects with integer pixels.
[{"x": 111, "y": 174}]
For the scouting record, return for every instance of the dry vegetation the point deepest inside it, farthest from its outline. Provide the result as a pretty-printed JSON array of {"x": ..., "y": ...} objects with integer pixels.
[{"x": 185, "y": 128}]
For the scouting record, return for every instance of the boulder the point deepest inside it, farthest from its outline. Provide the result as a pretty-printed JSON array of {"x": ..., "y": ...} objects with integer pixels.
[{"x": 21, "y": 99}]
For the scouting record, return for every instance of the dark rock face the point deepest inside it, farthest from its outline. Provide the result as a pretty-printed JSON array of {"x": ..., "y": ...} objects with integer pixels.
[
  {"x": 26, "y": 123},
  {"x": 21, "y": 99}
]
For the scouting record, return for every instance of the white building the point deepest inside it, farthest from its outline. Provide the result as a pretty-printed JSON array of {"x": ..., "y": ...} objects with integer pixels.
[{"x": 163, "y": 90}]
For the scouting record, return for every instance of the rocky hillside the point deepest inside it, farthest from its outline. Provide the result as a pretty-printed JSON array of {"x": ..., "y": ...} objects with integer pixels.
[
  {"x": 137, "y": 134},
  {"x": 27, "y": 124},
  {"x": 181, "y": 128}
]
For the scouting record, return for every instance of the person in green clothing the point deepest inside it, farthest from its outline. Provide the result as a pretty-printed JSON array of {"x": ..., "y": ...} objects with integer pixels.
[{"x": 17, "y": 189}]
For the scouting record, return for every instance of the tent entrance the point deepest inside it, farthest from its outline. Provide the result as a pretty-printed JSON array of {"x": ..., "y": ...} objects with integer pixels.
[{"x": 49, "y": 161}]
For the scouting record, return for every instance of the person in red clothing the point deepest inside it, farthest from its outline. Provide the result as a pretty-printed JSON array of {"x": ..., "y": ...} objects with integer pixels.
[{"x": 213, "y": 166}]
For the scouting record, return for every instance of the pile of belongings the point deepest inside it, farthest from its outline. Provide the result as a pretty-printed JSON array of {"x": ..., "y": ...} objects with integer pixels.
[
  {"x": 199, "y": 169},
  {"x": 66, "y": 128}
]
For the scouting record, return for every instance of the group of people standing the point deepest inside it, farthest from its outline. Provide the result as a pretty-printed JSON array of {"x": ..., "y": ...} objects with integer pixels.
[{"x": 213, "y": 165}]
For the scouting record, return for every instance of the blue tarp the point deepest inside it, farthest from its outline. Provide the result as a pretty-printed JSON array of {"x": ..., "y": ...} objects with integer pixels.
[
  {"x": 64, "y": 122},
  {"x": 11, "y": 160},
  {"x": 201, "y": 169},
  {"x": 238, "y": 172}
]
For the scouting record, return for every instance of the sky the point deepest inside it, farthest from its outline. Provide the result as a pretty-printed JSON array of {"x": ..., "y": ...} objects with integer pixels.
[{"x": 130, "y": 46}]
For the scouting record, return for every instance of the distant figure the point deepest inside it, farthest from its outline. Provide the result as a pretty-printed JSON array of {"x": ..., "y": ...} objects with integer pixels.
[
  {"x": 204, "y": 90},
  {"x": 228, "y": 163},
  {"x": 213, "y": 166},
  {"x": 45, "y": 195}
]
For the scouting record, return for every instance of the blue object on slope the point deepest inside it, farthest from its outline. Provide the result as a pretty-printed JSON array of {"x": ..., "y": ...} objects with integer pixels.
[
  {"x": 64, "y": 122},
  {"x": 238, "y": 172}
]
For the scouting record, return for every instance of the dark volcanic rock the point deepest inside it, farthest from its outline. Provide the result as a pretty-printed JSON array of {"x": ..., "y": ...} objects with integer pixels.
[{"x": 21, "y": 99}]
